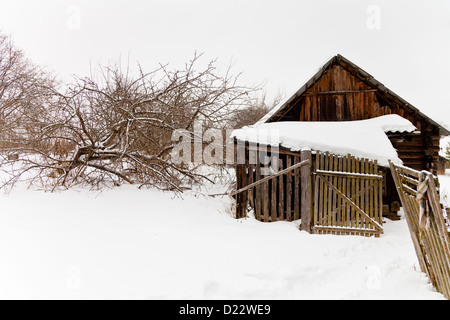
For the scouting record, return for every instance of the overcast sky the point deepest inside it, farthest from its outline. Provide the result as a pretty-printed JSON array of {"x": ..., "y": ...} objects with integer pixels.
[{"x": 403, "y": 44}]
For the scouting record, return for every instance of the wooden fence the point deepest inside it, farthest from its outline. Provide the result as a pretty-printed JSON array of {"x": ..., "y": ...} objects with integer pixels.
[
  {"x": 347, "y": 196},
  {"x": 431, "y": 245},
  {"x": 344, "y": 198},
  {"x": 275, "y": 196}
]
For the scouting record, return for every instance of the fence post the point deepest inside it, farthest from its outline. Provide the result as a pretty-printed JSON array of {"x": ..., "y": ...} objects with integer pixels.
[
  {"x": 240, "y": 198},
  {"x": 306, "y": 192}
]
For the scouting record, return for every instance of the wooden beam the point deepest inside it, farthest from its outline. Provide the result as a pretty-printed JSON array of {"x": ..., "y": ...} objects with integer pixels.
[
  {"x": 306, "y": 193},
  {"x": 347, "y": 230},
  {"x": 338, "y": 92},
  {"x": 295, "y": 166},
  {"x": 350, "y": 175}
]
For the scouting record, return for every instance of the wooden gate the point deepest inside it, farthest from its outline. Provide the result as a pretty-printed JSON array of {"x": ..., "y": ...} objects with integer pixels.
[
  {"x": 432, "y": 244},
  {"x": 275, "y": 196},
  {"x": 347, "y": 196}
]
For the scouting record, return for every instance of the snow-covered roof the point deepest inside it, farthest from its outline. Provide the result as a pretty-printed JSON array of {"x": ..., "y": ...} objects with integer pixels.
[{"x": 364, "y": 138}]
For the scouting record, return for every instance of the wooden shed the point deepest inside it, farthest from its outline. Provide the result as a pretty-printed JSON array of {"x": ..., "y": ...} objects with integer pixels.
[
  {"x": 329, "y": 175},
  {"x": 340, "y": 92}
]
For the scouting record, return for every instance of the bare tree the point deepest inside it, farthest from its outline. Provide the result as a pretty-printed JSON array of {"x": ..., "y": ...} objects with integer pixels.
[
  {"x": 119, "y": 129},
  {"x": 22, "y": 93}
]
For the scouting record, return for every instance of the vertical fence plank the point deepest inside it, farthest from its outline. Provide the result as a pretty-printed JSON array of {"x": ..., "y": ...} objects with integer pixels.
[
  {"x": 372, "y": 213},
  {"x": 326, "y": 208},
  {"x": 296, "y": 191},
  {"x": 358, "y": 195},
  {"x": 340, "y": 216},
  {"x": 363, "y": 193},
  {"x": 250, "y": 180},
  {"x": 380, "y": 199},
  {"x": 288, "y": 190},
  {"x": 273, "y": 202},
  {"x": 316, "y": 192},
  {"x": 366, "y": 193},
  {"x": 265, "y": 196},
  {"x": 349, "y": 190},
  {"x": 333, "y": 195},
  {"x": 377, "y": 203},
  {"x": 346, "y": 191},
  {"x": 321, "y": 166},
  {"x": 306, "y": 192},
  {"x": 240, "y": 199},
  {"x": 353, "y": 193},
  {"x": 258, "y": 190},
  {"x": 281, "y": 200}
]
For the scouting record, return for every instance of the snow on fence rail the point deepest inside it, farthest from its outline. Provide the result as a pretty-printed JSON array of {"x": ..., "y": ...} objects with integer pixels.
[{"x": 431, "y": 241}]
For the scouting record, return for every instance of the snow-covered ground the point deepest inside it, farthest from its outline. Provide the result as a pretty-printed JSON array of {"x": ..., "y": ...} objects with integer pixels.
[
  {"x": 132, "y": 244},
  {"x": 445, "y": 188}
]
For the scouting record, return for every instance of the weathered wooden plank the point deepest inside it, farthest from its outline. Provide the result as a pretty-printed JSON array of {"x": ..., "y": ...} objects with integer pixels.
[
  {"x": 265, "y": 197},
  {"x": 240, "y": 200},
  {"x": 296, "y": 191},
  {"x": 345, "y": 230},
  {"x": 432, "y": 248},
  {"x": 350, "y": 175},
  {"x": 349, "y": 201},
  {"x": 407, "y": 179},
  {"x": 281, "y": 214},
  {"x": 321, "y": 189},
  {"x": 409, "y": 190},
  {"x": 246, "y": 177},
  {"x": 371, "y": 195},
  {"x": 377, "y": 203},
  {"x": 353, "y": 193},
  {"x": 289, "y": 190},
  {"x": 329, "y": 197},
  {"x": 344, "y": 190},
  {"x": 267, "y": 178},
  {"x": 250, "y": 180},
  {"x": 316, "y": 188},
  {"x": 367, "y": 194},
  {"x": 349, "y": 191},
  {"x": 338, "y": 92},
  {"x": 440, "y": 264},
  {"x": 339, "y": 217},
  {"x": 258, "y": 190},
  {"x": 306, "y": 192},
  {"x": 408, "y": 171},
  {"x": 334, "y": 201},
  {"x": 357, "y": 194},
  {"x": 327, "y": 207},
  {"x": 273, "y": 200},
  {"x": 380, "y": 201},
  {"x": 363, "y": 193},
  {"x": 316, "y": 201}
]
